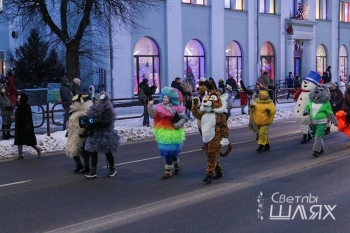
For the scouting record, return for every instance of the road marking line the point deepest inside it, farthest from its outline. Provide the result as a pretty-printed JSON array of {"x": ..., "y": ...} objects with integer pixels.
[{"x": 19, "y": 182}]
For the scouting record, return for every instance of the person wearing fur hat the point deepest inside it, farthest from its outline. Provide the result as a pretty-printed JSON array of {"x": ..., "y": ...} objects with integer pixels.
[
  {"x": 169, "y": 117},
  {"x": 102, "y": 137},
  {"x": 262, "y": 112},
  {"x": 75, "y": 142},
  {"x": 6, "y": 111},
  {"x": 24, "y": 127}
]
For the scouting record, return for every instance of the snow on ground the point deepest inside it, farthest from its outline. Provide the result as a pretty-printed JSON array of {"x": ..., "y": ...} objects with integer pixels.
[{"x": 130, "y": 130}]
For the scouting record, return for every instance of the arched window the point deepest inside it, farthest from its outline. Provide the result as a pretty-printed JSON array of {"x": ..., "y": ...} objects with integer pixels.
[
  {"x": 321, "y": 60},
  {"x": 194, "y": 66},
  {"x": 234, "y": 61},
  {"x": 343, "y": 61},
  {"x": 146, "y": 63},
  {"x": 267, "y": 60}
]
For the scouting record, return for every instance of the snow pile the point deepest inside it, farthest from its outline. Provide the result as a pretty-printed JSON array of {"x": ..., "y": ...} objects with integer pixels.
[{"x": 132, "y": 132}]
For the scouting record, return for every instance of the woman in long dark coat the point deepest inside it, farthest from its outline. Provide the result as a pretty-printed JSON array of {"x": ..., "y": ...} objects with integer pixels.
[{"x": 24, "y": 128}]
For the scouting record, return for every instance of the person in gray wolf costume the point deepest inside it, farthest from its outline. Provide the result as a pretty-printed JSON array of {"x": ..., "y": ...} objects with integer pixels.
[
  {"x": 75, "y": 143},
  {"x": 102, "y": 137},
  {"x": 319, "y": 109}
]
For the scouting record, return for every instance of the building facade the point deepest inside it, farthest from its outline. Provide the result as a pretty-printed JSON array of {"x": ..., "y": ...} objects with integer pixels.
[{"x": 221, "y": 38}]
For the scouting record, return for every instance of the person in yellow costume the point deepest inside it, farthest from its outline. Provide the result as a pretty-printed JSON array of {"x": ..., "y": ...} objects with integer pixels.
[{"x": 263, "y": 112}]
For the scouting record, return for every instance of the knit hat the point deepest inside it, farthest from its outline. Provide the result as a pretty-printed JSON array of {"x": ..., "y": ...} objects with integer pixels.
[
  {"x": 145, "y": 80},
  {"x": 263, "y": 92},
  {"x": 313, "y": 77},
  {"x": 77, "y": 81},
  {"x": 202, "y": 79}
]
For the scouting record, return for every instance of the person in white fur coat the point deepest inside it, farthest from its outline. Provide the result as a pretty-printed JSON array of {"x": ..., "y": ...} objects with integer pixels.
[
  {"x": 302, "y": 98},
  {"x": 75, "y": 143}
]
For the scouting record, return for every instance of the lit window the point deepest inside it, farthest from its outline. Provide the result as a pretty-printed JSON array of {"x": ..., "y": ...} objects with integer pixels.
[
  {"x": 346, "y": 12},
  {"x": 239, "y": 5},
  {"x": 234, "y": 61},
  {"x": 200, "y": 2},
  {"x": 146, "y": 63},
  {"x": 267, "y": 60},
  {"x": 321, "y": 59},
  {"x": 299, "y": 10},
  {"x": 267, "y": 6},
  {"x": 343, "y": 61},
  {"x": 194, "y": 63},
  {"x": 187, "y": 1},
  {"x": 321, "y": 9},
  {"x": 341, "y": 11}
]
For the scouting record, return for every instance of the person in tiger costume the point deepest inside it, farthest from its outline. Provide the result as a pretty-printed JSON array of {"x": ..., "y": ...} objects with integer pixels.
[
  {"x": 262, "y": 113},
  {"x": 215, "y": 131}
]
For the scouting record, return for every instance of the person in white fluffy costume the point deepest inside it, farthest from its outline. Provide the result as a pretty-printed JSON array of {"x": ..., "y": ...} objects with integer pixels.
[{"x": 74, "y": 148}]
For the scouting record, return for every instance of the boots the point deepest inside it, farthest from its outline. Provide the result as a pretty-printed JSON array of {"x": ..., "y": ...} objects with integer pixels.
[
  {"x": 177, "y": 167},
  {"x": 327, "y": 131},
  {"x": 112, "y": 172},
  {"x": 4, "y": 133},
  {"x": 38, "y": 150},
  {"x": 92, "y": 174},
  {"x": 207, "y": 179},
  {"x": 86, "y": 158},
  {"x": 304, "y": 139},
  {"x": 20, "y": 153},
  {"x": 218, "y": 175},
  {"x": 267, "y": 147},
  {"x": 167, "y": 173},
  {"x": 8, "y": 127},
  {"x": 260, "y": 148},
  {"x": 78, "y": 164},
  {"x": 309, "y": 137}
]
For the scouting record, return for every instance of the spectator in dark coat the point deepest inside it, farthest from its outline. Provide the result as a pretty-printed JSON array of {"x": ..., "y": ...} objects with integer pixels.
[
  {"x": 326, "y": 78},
  {"x": 232, "y": 82},
  {"x": 177, "y": 84},
  {"x": 328, "y": 71},
  {"x": 213, "y": 82},
  {"x": 24, "y": 128},
  {"x": 6, "y": 108},
  {"x": 66, "y": 98},
  {"x": 76, "y": 88},
  {"x": 289, "y": 82},
  {"x": 149, "y": 91}
]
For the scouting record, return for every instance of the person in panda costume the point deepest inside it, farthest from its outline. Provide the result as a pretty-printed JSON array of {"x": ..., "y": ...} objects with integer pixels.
[
  {"x": 319, "y": 110},
  {"x": 302, "y": 98}
]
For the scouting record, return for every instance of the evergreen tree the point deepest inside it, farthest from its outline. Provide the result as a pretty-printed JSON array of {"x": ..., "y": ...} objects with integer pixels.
[{"x": 34, "y": 65}]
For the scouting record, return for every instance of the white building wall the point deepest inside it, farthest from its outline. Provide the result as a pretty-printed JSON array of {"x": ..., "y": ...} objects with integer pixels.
[{"x": 215, "y": 27}]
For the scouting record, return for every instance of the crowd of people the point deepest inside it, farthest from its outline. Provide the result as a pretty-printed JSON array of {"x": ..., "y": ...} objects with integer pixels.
[{"x": 89, "y": 118}]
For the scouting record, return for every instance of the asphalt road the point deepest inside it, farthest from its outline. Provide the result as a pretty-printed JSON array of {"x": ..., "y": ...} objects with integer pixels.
[{"x": 43, "y": 195}]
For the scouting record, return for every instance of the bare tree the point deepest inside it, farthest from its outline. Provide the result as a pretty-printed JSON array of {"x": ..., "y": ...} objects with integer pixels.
[{"x": 74, "y": 22}]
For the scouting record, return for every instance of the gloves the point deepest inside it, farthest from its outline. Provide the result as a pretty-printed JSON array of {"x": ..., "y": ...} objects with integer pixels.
[
  {"x": 176, "y": 125},
  {"x": 224, "y": 142},
  {"x": 305, "y": 113}
]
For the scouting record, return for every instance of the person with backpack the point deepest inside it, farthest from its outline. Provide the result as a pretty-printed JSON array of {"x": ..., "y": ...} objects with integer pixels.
[{"x": 147, "y": 92}]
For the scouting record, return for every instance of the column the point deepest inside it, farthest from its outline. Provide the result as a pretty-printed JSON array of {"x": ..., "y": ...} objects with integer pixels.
[
  {"x": 174, "y": 53},
  {"x": 217, "y": 62}
]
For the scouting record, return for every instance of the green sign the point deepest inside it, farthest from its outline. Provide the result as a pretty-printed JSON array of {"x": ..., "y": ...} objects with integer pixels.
[{"x": 53, "y": 92}]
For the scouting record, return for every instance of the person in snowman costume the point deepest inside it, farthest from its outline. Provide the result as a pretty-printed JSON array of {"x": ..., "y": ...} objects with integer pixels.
[{"x": 302, "y": 98}]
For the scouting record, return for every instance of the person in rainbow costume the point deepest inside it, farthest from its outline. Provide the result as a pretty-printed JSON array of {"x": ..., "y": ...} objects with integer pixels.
[{"x": 169, "y": 117}]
